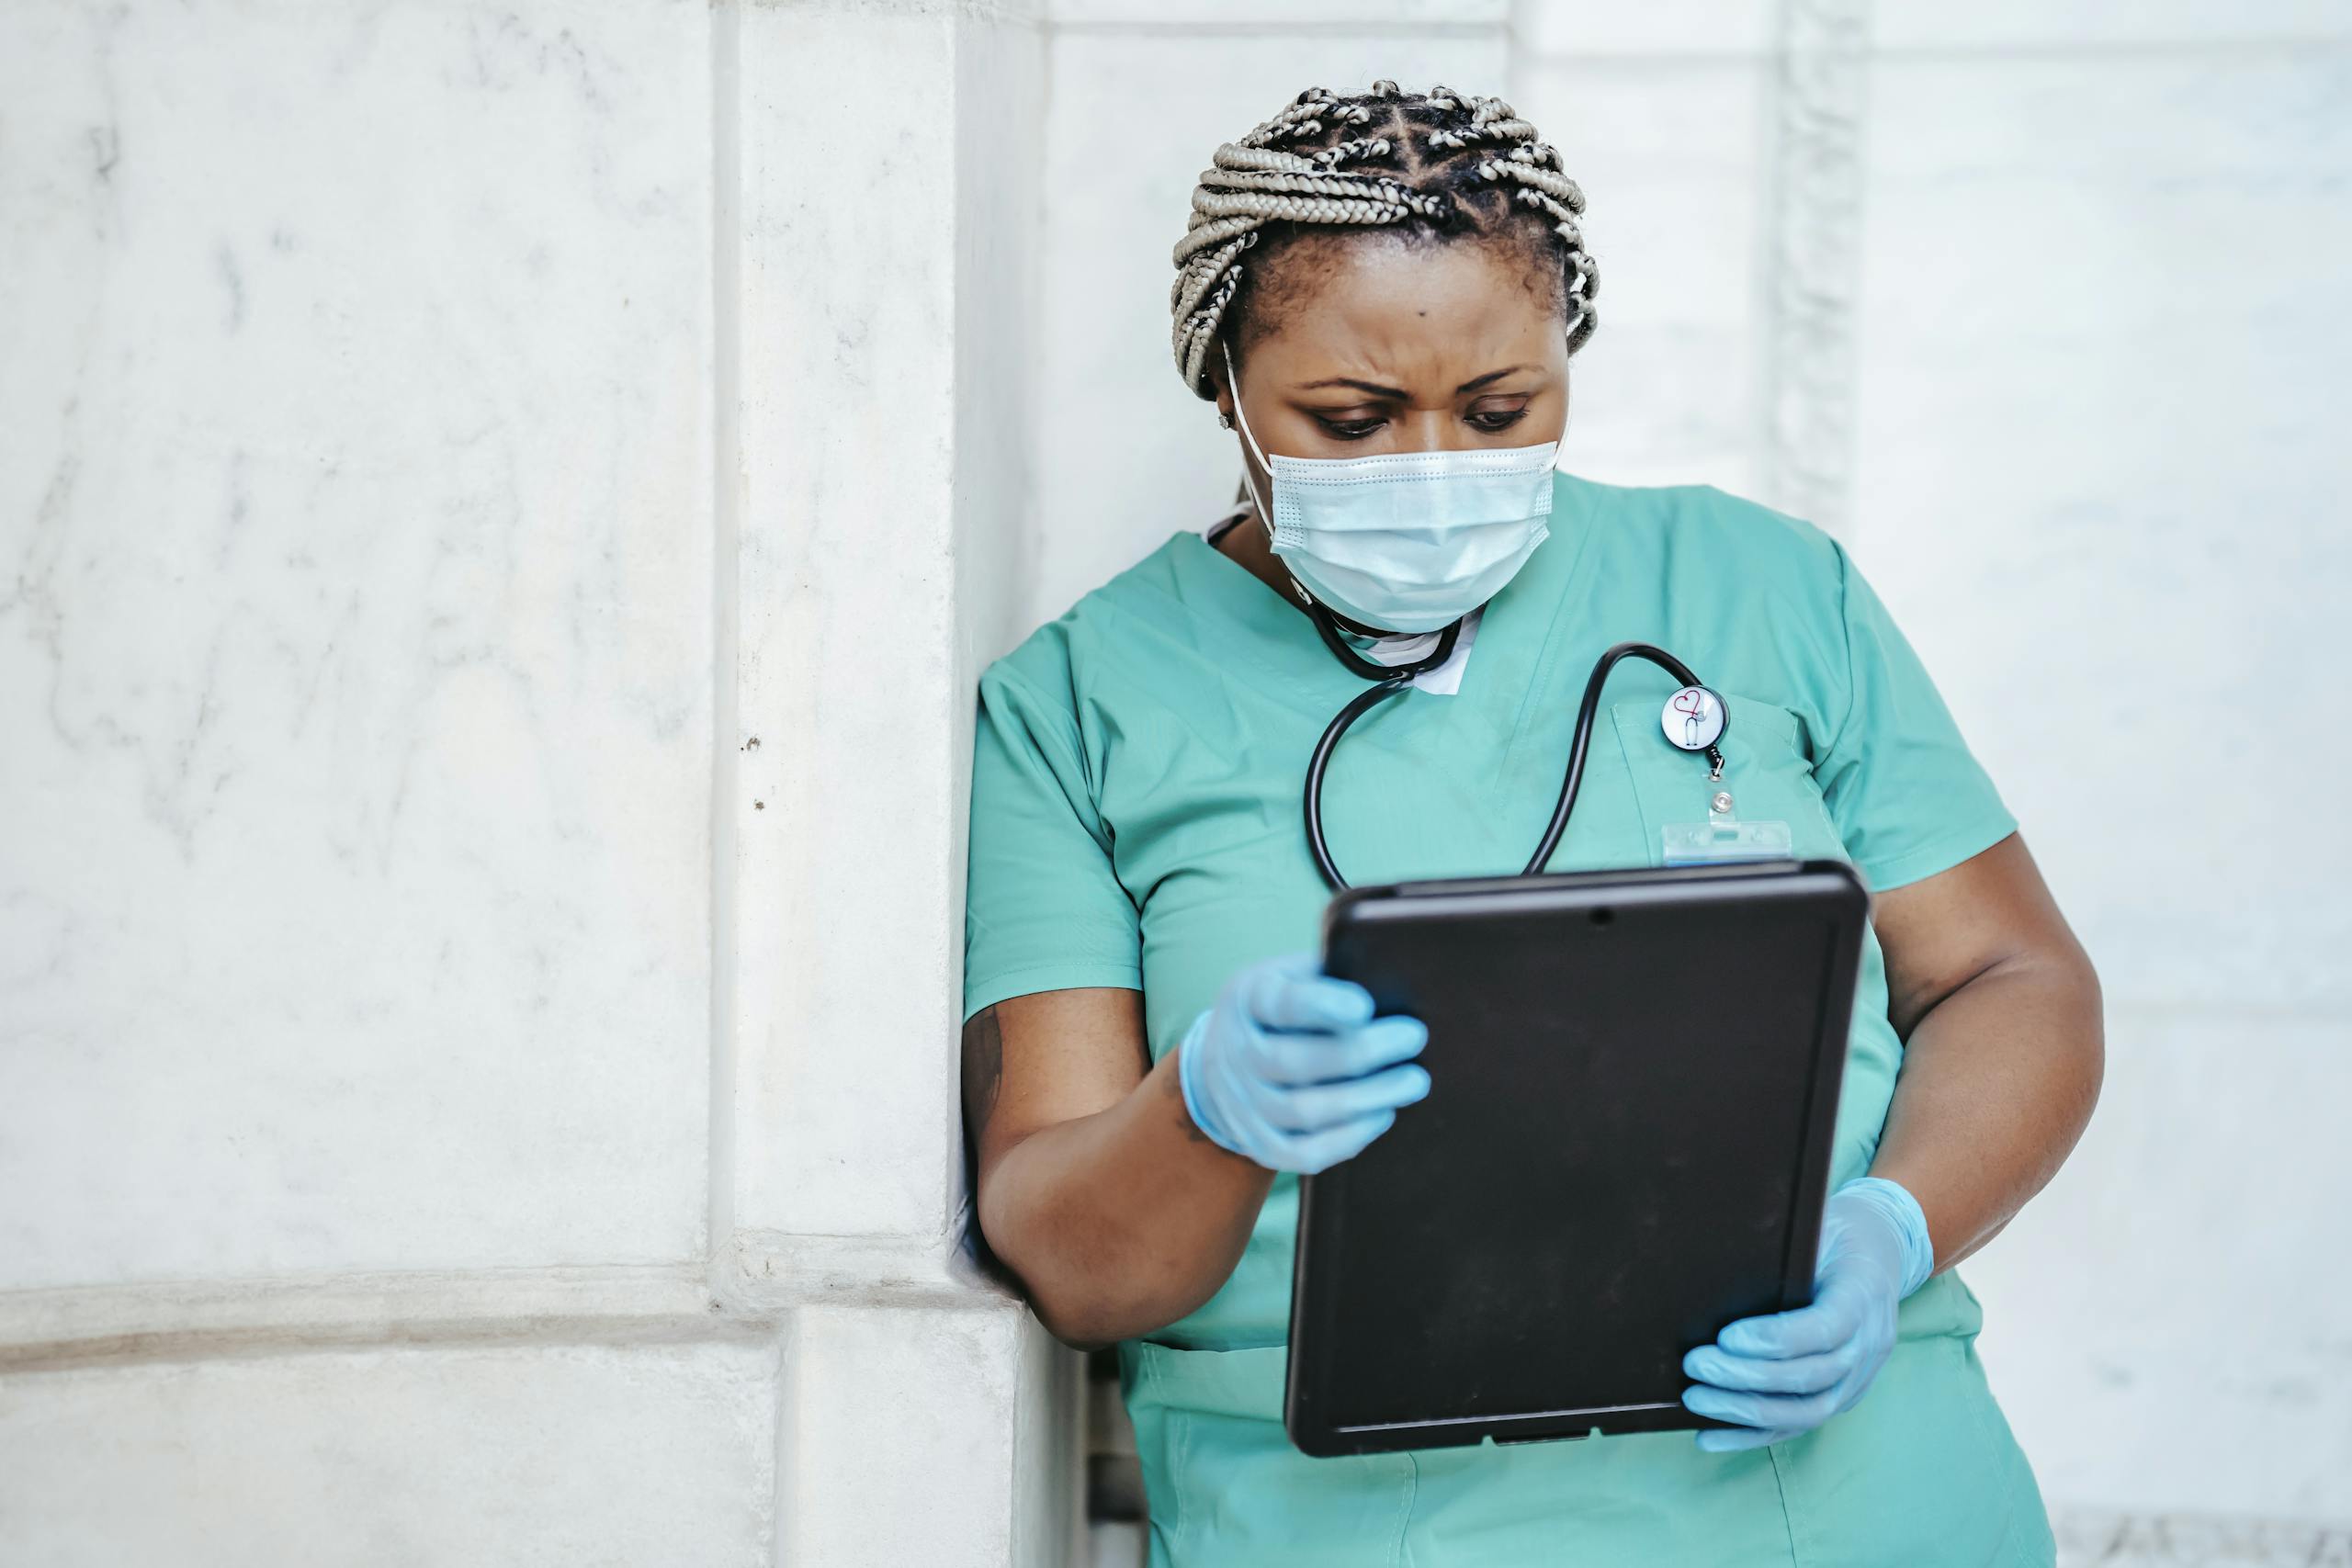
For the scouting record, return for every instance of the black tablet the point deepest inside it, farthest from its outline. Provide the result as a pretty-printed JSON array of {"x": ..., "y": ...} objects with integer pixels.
[{"x": 1625, "y": 1145}]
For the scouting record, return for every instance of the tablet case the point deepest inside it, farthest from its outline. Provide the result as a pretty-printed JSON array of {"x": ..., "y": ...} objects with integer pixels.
[{"x": 1625, "y": 1145}]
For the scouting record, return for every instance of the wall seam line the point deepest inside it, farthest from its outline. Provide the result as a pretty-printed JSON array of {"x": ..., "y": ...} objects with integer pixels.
[
  {"x": 1227, "y": 30},
  {"x": 726, "y": 381},
  {"x": 1812, "y": 258}
]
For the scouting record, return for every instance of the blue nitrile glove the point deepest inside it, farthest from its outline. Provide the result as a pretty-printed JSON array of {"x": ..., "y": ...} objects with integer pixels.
[
  {"x": 1289, "y": 1067},
  {"x": 1787, "y": 1372}
]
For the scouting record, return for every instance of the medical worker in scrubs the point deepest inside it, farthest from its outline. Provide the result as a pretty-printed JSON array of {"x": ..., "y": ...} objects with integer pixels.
[{"x": 1152, "y": 1058}]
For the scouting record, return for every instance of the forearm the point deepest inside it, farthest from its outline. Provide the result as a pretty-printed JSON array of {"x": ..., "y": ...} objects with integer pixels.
[
  {"x": 1998, "y": 1081},
  {"x": 1124, "y": 1220}
]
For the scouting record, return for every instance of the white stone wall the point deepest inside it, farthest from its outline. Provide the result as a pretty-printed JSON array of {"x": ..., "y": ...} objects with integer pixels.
[
  {"x": 2095, "y": 469},
  {"x": 501, "y": 507},
  {"x": 496, "y": 538}
]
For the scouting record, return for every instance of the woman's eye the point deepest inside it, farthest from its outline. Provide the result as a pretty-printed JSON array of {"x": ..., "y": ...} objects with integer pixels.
[
  {"x": 1352, "y": 429},
  {"x": 1492, "y": 420}
]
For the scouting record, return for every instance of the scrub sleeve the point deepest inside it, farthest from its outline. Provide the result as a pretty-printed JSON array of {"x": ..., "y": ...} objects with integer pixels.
[
  {"x": 1907, "y": 797},
  {"x": 1134, "y": 822},
  {"x": 1050, "y": 915}
]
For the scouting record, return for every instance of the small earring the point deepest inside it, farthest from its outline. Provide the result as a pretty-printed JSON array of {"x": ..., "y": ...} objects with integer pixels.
[{"x": 1225, "y": 419}]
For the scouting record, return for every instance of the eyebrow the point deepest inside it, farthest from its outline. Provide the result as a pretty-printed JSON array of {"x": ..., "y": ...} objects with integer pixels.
[{"x": 1397, "y": 394}]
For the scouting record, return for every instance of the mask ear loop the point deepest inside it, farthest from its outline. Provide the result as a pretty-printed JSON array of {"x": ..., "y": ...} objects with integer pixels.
[
  {"x": 1391, "y": 677},
  {"x": 1240, "y": 417}
]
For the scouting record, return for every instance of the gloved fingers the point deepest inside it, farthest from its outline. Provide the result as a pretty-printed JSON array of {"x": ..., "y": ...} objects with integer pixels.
[
  {"x": 1295, "y": 1059},
  {"x": 1731, "y": 1440},
  {"x": 1801, "y": 1413},
  {"x": 1294, "y": 993},
  {"x": 1320, "y": 1151},
  {"x": 1750, "y": 1374},
  {"x": 1835, "y": 1317},
  {"x": 1318, "y": 1106},
  {"x": 1793, "y": 1412},
  {"x": 1856, "y": 1383}
]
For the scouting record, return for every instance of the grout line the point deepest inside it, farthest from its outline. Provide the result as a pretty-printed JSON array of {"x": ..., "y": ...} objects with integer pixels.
[
  {"x": 2125, "y": 51},
  {"x": 1240, "y": 30},
  {"x": 727, "y": 441},
  {"x": 2194, "y": 1537},
  {"x": 1815, "y": 184},
  {"x": 199, "y": 1319},
  {"x": 2119, "y": 51},
  {"x": 250, "y": 1318},
  {"x": 208, "y": 1347},
  {"x": 1762, "y": 274},
  {"x": 992, "y": 13}
]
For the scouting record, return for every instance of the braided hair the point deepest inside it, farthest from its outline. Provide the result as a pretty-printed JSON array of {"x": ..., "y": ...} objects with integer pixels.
[{"x": 1444, "y": 164}]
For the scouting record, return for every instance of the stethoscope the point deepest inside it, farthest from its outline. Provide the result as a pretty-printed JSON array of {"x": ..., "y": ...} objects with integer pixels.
[{"x": 1694, "y": 721}]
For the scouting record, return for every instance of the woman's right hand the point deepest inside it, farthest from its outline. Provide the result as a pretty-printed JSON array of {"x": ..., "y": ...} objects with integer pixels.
[{"x": 1290, "y": 1069}]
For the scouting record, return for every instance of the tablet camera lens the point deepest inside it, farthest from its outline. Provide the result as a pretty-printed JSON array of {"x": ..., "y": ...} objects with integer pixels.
[{"x": 1603, "y": 915}]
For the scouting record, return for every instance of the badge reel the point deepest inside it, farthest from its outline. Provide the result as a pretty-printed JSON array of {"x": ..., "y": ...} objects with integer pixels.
[{"x": 1694, "y": 720}]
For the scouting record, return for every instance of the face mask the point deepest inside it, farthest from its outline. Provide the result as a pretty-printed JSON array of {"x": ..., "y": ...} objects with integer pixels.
[{"x": 1407, "y": 542}]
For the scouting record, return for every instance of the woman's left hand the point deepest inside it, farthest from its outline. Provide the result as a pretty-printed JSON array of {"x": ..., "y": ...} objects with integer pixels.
[{"x": 1785, "y": 1373}]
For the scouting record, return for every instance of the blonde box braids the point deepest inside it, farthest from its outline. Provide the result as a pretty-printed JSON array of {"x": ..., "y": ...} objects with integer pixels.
[{"x": 1452, "y": 161}]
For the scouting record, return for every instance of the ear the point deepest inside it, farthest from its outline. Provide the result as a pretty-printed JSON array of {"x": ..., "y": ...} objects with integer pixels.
[
  {"x": 1213, "y": 371},
  {"x": 1223, "y": 391}
]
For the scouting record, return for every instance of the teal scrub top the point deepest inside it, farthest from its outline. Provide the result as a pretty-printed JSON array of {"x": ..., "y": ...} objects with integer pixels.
[{"x": 1134, "y": 822}]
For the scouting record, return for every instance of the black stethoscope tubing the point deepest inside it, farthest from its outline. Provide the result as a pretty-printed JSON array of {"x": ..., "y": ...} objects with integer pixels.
[{"x": 1389, "y": 680}]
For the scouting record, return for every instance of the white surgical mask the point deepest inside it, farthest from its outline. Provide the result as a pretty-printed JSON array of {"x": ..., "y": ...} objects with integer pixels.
[{"x": 1411, "y": 541}]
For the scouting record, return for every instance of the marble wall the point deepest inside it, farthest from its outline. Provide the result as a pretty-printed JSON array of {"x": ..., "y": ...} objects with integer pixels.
[
  {"x": 482, "y": 505},
  {"x": 357, "y": 639},
  {"x": 500, "y": 511},
  {"x": 2093, "y": 471}
]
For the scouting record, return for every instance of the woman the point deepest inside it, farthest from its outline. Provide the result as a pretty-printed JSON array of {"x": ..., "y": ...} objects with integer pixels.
[{"x": 1151, "y": 1060}]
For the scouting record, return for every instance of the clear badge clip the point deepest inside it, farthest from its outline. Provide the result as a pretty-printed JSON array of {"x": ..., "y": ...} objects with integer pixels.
[{"x": 1723, "y": 836}]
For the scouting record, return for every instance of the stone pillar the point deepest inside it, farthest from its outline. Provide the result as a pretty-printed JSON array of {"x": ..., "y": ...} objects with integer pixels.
[
  {"x": 461, "y": 1100},
  {"x": 869, "y": 477}
]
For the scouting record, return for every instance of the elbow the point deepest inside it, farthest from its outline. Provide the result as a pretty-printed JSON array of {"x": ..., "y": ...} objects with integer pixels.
[
  {"x": 1073, "y": 1325},
  {"x": 1065, "y": 1307},
  {"x": 2094, "y": 1003},
  {"x": 1089, "y": 1298},
  {"x": 2077, "y": 1028},
  {"x": 1074, "y": 1299},
  {"x": 1090, "y": 1312},
  {"x": 2072, "y": 1007},
  {"x": 1080, "y": 1317}
]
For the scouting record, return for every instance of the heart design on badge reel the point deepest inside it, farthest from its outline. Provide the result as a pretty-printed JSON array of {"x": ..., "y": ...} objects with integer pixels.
[{"x": 1694, "y": 718}]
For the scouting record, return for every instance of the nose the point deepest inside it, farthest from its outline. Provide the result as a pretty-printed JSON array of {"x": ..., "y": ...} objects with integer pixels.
[{"x": 1431, "y": 430}]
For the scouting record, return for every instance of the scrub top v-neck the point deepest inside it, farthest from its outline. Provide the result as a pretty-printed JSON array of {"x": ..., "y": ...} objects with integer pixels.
[
  {"x": 1136, "y": 822},
  {"x": 1391, "y": 648}
]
